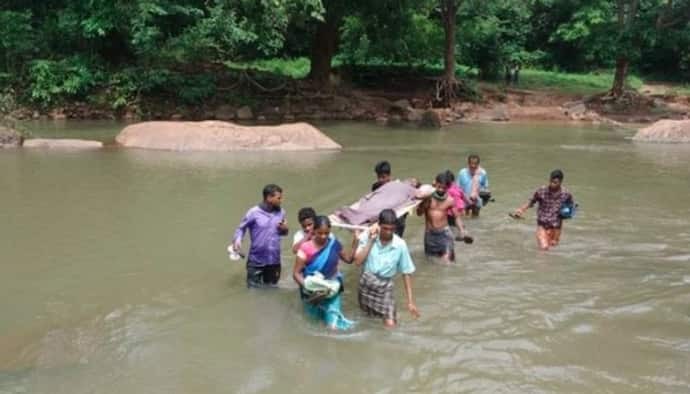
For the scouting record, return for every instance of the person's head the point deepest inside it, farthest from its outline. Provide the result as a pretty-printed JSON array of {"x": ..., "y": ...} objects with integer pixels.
[
  {"x": 306, "y": 217},
  {"x": 383, "y": 171},
  {"x": 441, "y": 183},
  {"x": 387, "y": 224},
  {"x": 473, "y": 162},
  {"x": 450, "y": 177},
  {"x": 555, "y": 179},
  {"x": 322, "y": 230},
  {"x": 273, "y": 195}
]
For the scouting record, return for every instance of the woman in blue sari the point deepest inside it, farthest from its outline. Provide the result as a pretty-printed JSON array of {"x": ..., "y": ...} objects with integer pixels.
[{"x": 316, "y": 272}]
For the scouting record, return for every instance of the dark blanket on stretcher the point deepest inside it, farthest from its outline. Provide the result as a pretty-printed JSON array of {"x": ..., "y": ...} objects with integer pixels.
[{"x": 392, "y": 195}]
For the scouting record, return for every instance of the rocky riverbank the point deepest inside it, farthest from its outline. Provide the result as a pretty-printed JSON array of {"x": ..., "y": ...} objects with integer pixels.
[
  {"x": 394, "y": 108},
  {"x": 10, "y": 138}
]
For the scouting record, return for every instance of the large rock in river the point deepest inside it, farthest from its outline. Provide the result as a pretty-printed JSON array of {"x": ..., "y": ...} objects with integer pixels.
[
  {"x": 223, "y": 136},
  {"x": 665, "y": 131}
]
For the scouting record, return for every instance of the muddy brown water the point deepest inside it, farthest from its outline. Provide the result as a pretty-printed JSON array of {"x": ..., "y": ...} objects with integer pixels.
[{"x": 114, "y": 276}]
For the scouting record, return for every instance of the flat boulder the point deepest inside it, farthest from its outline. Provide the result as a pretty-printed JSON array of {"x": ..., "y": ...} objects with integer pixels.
[
  {"x": 665, "y": 131},
  {"x": 220, "y": 136},
  {"x": 61, "y": 143}
]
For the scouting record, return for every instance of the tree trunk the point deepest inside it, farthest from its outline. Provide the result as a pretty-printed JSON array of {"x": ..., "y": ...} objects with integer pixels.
[
  {"x": 445, "y": 91},
  {"x": 627, "y": 14},
  {"x": 619, "y": 78},
  {"x": 449, "y": 28},
  {"x": 322, "y": 51}
]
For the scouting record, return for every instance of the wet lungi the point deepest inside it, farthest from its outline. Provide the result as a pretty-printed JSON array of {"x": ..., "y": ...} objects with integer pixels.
[
  {"x": 438, "y": 242},
  {"x": 376, "y": 296}
]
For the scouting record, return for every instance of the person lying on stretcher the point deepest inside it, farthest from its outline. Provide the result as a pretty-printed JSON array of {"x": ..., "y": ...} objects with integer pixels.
[{"x": 392, "y": 195}]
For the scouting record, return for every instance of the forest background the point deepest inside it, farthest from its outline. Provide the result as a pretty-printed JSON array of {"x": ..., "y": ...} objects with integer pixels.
[{"x": 125, "y": 55}]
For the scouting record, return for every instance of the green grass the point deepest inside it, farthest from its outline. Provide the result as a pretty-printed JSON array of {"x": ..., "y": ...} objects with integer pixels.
[
  {"x": 531, "y": 79},
  {"x": 299, "y": 67},
  {"x": 292, "y": 68},
  {"x": 571, "y": 83}
]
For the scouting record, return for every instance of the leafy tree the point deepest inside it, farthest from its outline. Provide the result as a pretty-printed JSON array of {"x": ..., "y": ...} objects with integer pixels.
[
  {"x": 668, "y": 56},
  {"x": 407, "y": 36},
  {"x": 67, "y": 49},
  {"x": 327, "y": 34},
  {"x": 494, "y": 34},
  {"x": 617, "y": 31},
  {"x": 52, "y": 81},
  {"x": 16, "y": 38}
]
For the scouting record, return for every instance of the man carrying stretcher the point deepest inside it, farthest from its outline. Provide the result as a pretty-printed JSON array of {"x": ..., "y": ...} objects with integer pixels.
[{"x": 438, "y": 236}]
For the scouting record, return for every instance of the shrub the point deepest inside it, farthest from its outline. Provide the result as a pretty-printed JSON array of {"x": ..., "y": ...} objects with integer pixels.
[
  {"x": 127, "y": 86},
  {"x": 194, "y": 89},
  {"x": 52, "y": 81}
]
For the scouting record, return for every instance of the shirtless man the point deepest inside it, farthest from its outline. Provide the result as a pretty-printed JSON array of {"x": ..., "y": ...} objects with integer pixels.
[{"x": 438, "y": 237}]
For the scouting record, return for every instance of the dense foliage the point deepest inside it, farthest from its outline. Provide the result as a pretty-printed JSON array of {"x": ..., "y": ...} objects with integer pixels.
[{"x": 54, "y": 51}]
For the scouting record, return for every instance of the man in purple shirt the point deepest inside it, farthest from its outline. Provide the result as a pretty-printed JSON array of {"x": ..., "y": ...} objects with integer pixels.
[{"x": 266, "y": 223}]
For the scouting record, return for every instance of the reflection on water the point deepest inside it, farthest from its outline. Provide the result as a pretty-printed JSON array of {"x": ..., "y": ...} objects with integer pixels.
[
  {"x": 667, "y": 155},
  {"x": 115, "y": 279},
  {"x": 235, "y": 161}
]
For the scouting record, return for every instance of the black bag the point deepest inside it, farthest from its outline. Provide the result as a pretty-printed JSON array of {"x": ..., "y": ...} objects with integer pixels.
[{"x": 485, "y": 195}]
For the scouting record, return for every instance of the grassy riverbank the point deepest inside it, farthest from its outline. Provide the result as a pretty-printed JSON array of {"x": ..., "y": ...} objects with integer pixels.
[
  {"x": 566, "y": 83},
  {"x": 530, "y": 78},
  {"x": 276, "y": 90}
]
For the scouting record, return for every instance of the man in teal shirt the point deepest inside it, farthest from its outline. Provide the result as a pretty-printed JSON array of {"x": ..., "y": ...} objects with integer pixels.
[
  {"x": 472, "y": 180},
  {"x": 384, "y": 254}
]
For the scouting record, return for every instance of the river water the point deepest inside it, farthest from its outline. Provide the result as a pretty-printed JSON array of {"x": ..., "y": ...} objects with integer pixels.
[{"x": 114, "y": 276}]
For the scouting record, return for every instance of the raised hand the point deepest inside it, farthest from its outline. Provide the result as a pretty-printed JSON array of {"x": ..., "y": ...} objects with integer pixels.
[
  {"x": 282, "y": 226},
  {"x": 374, "y": 232}
]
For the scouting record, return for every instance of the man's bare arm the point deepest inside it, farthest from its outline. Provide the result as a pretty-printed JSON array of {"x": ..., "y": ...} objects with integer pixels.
[
  {"x": 407, "y": 279},
  {"x": 422, "y": 208}
]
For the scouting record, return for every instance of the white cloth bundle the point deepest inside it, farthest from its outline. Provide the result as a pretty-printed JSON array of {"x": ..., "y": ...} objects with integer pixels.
[{"x": 317, "y": 283}]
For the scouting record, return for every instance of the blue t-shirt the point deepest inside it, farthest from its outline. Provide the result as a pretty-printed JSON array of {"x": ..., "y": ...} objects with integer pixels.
[
  {"x": 465, "y": 183},
  {"x": 386, "y": 260}
]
